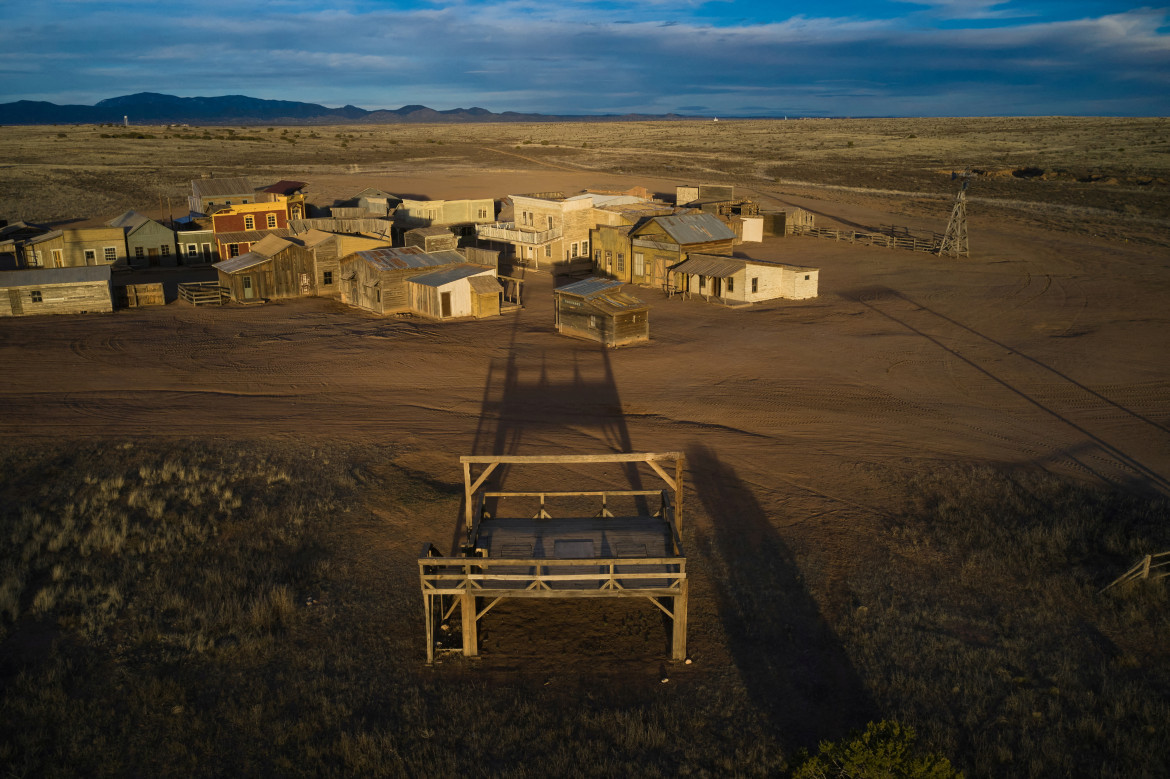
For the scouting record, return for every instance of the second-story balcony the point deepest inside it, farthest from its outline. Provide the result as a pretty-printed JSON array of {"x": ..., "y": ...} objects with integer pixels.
[{"x": 511, "y": 233}]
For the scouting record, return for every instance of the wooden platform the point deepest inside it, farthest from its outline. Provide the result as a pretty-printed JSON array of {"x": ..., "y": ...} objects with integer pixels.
[{"x": 599, "y": 556}]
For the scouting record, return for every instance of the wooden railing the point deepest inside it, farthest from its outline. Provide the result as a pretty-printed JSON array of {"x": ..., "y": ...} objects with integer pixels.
[
  {"x": 508, "y": 231},
  {"x": 888, "y": 241},
  {"x": 203, "y": 293},
  {"x": 1149, "y": 567}
]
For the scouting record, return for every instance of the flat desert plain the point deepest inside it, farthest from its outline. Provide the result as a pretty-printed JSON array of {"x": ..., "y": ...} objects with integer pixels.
[{"x": 826, "y": 438}]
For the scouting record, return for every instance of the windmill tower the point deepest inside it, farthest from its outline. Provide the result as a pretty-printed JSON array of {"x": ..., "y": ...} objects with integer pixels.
[{"x": 954, "y": 242}]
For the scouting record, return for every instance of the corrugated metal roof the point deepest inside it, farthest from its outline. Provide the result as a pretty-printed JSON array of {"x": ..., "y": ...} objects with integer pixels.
[
  {"x": 46, "y": 276},
  {"x": 240, "y": 185},
  {"x": 695, "y": 228},
  {"x": 408, "y": 257},
  {"x": 587, "y": 287},
  {"x": 706, "y": 265},
  {"x": 243, "y": 262},
  {"x": 616, "y": 302},
  {"x": 445, "y": 276},
  {"x": 252, "y": 236}
]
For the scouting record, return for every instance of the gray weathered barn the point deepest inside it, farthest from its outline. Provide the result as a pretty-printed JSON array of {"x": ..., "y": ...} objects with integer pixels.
[
  {"x": 84, "y": 290},
  {"x": 598, "y": 310},
  {"x": 274, "y": 268},
  {"x": 376, "y": 279}
]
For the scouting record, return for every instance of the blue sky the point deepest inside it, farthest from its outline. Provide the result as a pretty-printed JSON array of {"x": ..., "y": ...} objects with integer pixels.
[{"x": 723, "y": 58}]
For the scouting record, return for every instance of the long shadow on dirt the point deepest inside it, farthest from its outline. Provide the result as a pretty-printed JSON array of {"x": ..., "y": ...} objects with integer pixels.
[{"x": 791, "y": 662}]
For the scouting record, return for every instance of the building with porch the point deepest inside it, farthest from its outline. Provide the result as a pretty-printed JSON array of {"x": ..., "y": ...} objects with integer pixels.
[{"x": 735, "y": 280}]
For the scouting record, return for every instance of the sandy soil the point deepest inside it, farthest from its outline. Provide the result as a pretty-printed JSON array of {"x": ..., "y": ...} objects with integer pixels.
[{"x": 1046, "y": 349}]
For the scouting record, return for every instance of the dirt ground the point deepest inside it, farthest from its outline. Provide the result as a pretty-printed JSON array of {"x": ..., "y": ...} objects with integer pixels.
[
  {"x": 801, "y": 420},
  {"x": 1043, "y": 349}
]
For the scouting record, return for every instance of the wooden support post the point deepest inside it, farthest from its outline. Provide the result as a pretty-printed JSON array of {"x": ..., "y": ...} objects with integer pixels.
[
  {"x": 679, "y": 466},
  {"x": 678, "y": 643},
  {"x": 429, "y": 610},
  {"x": 470, "y": 637},
  {"x": 468, "y": 511}
]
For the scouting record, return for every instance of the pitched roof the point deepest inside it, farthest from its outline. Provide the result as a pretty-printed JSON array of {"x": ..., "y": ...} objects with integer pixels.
[
  {"x": 408, "y": 257},
  {"x": 46, "y": 276},
  {"x": 485, "y": 285},
  {"x": 453, "y": 273},
  {"x": 238, "y": 185},
  {"x": 285, "y": 187},
  {"x": 270, "y": 245},
  {"x": 694, "y": 228},
  {"x": 706, "y": 265},
  {"x": 243, "y": 262},
  {"x": 590, "y": 286},
  {"x": 313, "y": 237},
  {"x": 429, "y": 231},
  {"x": 130, "y": 221}
]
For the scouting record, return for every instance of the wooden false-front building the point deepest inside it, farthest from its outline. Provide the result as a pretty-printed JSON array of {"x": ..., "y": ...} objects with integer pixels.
[
  {"x": 541, "y": 544},
  {"x": 84, "y": 290},
  {"x": 598, "y": 310},
  {"x": 663, "y": 241},
  {"x": 147, "y": 242}
]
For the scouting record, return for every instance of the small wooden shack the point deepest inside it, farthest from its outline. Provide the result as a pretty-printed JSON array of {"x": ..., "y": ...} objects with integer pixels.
[
  {"x": 742, "y": 280},
  {"x": 375, "y": 279},
  {"x": 83, "y": 290},
  {"x": 274, "y": 268},
  {"x": 455, "y": 291},
  {"x": 598, "y": 310},
  {"x": 431, "y": 239}
]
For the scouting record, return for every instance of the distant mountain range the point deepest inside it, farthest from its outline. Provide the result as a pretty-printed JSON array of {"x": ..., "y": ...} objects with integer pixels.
[{"x": 153, "y": 108}]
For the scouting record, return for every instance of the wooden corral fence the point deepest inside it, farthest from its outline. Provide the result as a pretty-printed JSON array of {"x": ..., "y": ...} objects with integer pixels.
[
  {"x": 513, "y": 292},
  {"x": 203, "y": 293},
  {"x": 353, "y": 226},
  {"x": 138, "y": 295},
  {"x": 896, "y": 238},
  {"x": 1152, "y": 566},
  {"x": 507, "y": 555}
]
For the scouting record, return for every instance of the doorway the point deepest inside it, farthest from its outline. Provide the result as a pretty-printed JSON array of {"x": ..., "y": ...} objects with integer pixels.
[
  {"x": 445, "y": 304},
  {"x": 249, "y": 293}
]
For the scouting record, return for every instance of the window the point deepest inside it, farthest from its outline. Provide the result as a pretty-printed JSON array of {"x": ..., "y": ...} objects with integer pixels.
[
  {"x": 608, "y": 259},
  {"x": 249, "y": 223},
  {"x": 233, "y": 250},
  {"x": 58, "y": 259},
  {"x": 139, "y": 252},
  {"x": 621, "y": 262},
  {"x": 584, "y": 248},
  {"x": 549, "y": 222},
  {"x": 91, "y": 256},
  {"x": 574, "y": 248},
  {"x": 702, "y": 283},
  {"x": 639, "y": 264},
  {"x": 35, "y": 295},
  {"x": 594, "y": 322},
  {"x": 111, "y": 254},
  {"x": 271, "y": 221},
  {"x": 328, "y": 278},
  {"x": 755, "y": 285},
  {"x": 34, "y": 259},
  {"x": 806, "y": 277},
  {"x": 164, "y": 250},
  {"x": 548, "y": 250},
  {"x": 192, "y": 250},
  {"x": 730, "y": 284},
  {"x": 483, "y": 213}
]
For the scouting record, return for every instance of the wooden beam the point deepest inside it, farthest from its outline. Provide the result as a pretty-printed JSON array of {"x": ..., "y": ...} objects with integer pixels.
[
  {"x": 467, "y": 611},
  {"x": 679, "y": 485},
  {"x": 482, "y": 477},
  {"x": 467, "y": 511},
  {"x": 672, "y": 483},
  {"x": 620, "y": 457}
]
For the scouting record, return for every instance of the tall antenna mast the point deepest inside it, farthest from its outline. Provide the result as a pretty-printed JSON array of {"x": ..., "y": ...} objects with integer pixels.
[{"x": 954, "y": 241}]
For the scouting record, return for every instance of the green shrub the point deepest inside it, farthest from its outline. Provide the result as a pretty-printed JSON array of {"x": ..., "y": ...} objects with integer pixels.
[{"x": 885, "y": 750}]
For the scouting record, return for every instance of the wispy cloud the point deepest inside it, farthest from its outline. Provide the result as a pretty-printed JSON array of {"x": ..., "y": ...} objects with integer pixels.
[{"x": 594, "y": 57}]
